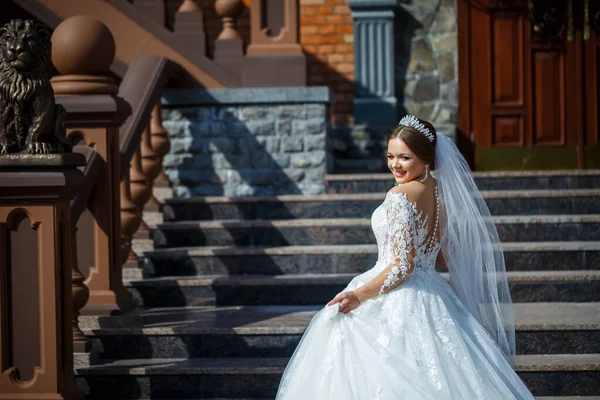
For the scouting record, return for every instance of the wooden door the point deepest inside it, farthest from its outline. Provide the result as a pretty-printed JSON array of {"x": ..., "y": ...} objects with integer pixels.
[{"x": 528, "y": 83}]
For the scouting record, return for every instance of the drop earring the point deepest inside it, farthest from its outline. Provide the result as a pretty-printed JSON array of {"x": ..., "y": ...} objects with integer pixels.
[{"x": 426, "y": 174}]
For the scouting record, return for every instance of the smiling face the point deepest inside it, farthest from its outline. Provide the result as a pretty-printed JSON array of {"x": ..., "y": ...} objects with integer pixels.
[{"x": 403, "y": 162}]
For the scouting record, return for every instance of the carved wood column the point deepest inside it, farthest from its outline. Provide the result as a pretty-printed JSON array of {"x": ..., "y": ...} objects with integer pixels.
[
  {"x": 84, "y": 72},
  {"x": 36, "y": 342},
  {"x": 274, "y": 56}
]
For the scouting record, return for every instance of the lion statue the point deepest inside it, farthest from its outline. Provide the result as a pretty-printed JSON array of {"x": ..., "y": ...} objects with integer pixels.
[{"x": 30, "y": 120}]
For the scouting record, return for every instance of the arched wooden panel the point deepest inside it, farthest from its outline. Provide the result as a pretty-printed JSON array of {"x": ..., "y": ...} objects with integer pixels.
[{"x": 23, "y": 303}]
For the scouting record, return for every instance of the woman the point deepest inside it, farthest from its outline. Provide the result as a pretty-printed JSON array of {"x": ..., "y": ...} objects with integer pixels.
[{"x": 399, "y": 331}]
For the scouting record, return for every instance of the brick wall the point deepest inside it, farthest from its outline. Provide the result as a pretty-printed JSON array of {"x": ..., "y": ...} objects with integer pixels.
[{"x": 325, "y": 34}]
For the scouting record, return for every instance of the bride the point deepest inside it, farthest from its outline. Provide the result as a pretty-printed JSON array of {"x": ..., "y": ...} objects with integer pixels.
[{"x": 399, "y": 331}]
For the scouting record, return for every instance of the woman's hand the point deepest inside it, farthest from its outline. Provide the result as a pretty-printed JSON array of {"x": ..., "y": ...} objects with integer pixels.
[{"x": 349, "y": 301}]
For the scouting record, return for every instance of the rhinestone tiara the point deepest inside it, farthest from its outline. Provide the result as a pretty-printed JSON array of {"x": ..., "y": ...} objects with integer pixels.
[{"x": 411, "y": 121}]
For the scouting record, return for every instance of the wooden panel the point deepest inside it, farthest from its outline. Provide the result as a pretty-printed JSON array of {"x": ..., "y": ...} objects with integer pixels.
[
  {"x": 481, "y": 77},
  {"x": 592, "y": 88},
  {"x": 24, "y": 303},
  {"x": 508, "y": 59},
  {"x": 548, "y": 98},
  {"x": 508, "y": 131}
]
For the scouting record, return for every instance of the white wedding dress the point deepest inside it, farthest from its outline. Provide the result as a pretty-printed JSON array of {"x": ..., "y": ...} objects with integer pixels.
[{"x": 416, "y": 341}]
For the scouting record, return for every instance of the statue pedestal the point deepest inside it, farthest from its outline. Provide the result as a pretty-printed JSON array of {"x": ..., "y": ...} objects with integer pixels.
[{"x": 35, "y": 275}]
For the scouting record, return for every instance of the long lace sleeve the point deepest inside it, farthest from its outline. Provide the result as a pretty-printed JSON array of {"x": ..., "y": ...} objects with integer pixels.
[{"x": 400, "y": 247}]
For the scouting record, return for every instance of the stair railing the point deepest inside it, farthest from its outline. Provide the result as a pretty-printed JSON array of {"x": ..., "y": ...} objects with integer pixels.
[{"x": 109, "y": 125}]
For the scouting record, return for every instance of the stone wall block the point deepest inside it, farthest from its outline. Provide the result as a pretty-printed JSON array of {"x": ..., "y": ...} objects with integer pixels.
[
  {"x": 188, "y": 177},
  {"x": 228, "y": 114},
  {"x": 253, "y": 113},
  {"x": 222, "y": 145},
  {"x": 272, "y": 161},
  {"x": 269, "y": 144},
  {"x": 305, "y": 160},
  {"x": 427, "y": 88},
  {"x": 176, "y": 160},
  {"x": 230, "y": 161},
  {"x": 444, "y": 42},
  {"x": 259, "y": 176},
  {"x": 173, "y": 114},
  {"x": 236, "y": 128},
  {"x": 312, "y": 189},
  {"x": 447, "y": 67},
  {"x": 450, "y": 93},
  {"x": 445, "y": 20},
  {"x": 207, "y": 129},
  {"x": 421, "y": 57},
  {"x": 421, "y": 110},
  {"x": 295, "y": 111},
  {"x": 308, "y": 127},
  {"x": 177, "y": 128},
  {"x": 445, "y": 114},
  {"x": 254, "y": 145},
  {"x": 262, "y": 127},
  {"x": 206, "y": 114},
  {"x": 182, "y": 191},
  {"x": 180, "y": 146},
  {"x": 242, "y": 189},
  {"x": 315, "y": 142},
  {"x": 316, "y": 111},
  {"x": 317, "y": 158},
  {"x": 283, "y": 127},
  {"x": 295, "y": 175},
  {"x": 292, "y": 144},
  {"x": 315, "y": 174}
]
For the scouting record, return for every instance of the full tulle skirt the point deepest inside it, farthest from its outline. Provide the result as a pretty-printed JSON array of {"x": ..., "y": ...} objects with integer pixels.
[{"x": 416, "y": 342}]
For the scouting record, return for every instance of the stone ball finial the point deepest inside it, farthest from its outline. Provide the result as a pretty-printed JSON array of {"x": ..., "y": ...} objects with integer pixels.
[{"x": 82, "y": 45}]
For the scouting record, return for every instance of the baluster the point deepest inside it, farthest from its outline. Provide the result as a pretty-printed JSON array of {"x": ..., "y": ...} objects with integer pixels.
[
  {"x": 130, "y": 218},
  {"x": 229, "y": 11},
  {"x": 140, "y": 190},
  {"x": 229, "y": 46},
  {"x": 159, "y": 137},
  {"x": 159, "y": 140}
]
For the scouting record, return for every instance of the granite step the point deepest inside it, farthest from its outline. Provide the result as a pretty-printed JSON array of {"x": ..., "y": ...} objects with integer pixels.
[
  {"x": 361, "y": 205},
  {"x": 176, "y": 378},
  {"x": 275, "y": 331},
  {"x": 497, "y": 180},
  {"x": 315, "y": 289},
  {"x": 340, "y": 231},
  {"x": 181, "y": 261}
]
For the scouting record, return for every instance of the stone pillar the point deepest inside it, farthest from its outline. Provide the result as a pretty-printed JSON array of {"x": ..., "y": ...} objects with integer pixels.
[
  {"x": 84, "y": 72},
  {"x": 36, "y": 337},
  {"x": 375, "y": 100}
]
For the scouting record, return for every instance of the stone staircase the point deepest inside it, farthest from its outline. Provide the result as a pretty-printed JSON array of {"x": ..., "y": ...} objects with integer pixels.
[{"x": 231, "y": 284}]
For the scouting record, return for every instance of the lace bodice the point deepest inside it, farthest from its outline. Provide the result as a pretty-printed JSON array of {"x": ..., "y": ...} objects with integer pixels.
[{"x": 401, "y": 231}]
